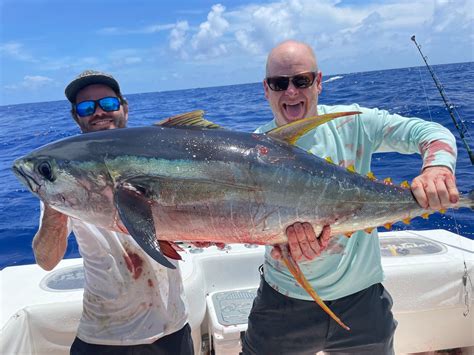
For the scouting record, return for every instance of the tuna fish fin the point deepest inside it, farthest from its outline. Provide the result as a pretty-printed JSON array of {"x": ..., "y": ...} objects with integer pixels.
[
  {"x": 371, "y": 176},
  {"x": 469, "y": 200},
  {"x": 388, "y": 181},
  {"x": 405, "y": 184},
  {"x": 369, "y": 230},
  {"x": 170, "y": 249},
  {"x": 188, "y": 119},
  {"x": 136, "y": 215},
  {"x": 291, "y": 132},
  {"x": 388, "y": 226},
  {"x": 406, "y": 221},
  {"x": 351, "y": 168},
  {"x": 301, "y": 279},
  {"x": 329, "y": 160},
  {"x": 425, "y": 215}
]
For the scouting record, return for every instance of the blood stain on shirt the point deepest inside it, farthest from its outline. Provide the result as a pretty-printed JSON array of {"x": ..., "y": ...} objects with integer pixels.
[
  {"x": 429, "y": 149},
  {"x": 346, "y": 121},
  {"x": 134, "y": 264}
]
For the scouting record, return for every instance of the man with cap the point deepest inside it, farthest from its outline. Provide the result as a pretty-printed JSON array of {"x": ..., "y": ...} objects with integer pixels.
[{"x": 131, "y": 303}]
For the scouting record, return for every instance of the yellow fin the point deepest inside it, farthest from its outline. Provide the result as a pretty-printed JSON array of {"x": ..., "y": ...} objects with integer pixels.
[
  {"x": 442, "y": 211},
  {"x": 405, "y": 184},
  {"x": 301, "y": 279},
  {"x": 351, "y": 168},
  {"x": 425, "y": 215},
  {"x": 388, "y": 226},
  {"x": 368, "y": 230},
  {"x": 371, "y": 176},
  {"x": 348, "y": 234},
  {"x": 193, "y": 119},
  {"x": 388, "y": 181},
  {"x": 329, "y": 160},
  {"x": 292, "y": 131},
  {"x": 406, "y": 220}
]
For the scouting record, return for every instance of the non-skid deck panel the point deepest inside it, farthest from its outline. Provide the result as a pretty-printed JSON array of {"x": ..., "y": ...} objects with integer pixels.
[{"x": 233, "y": 307}]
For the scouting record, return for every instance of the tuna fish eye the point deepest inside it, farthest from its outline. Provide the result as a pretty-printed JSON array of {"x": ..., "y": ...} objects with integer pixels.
[{"x": 44, "y": 168}]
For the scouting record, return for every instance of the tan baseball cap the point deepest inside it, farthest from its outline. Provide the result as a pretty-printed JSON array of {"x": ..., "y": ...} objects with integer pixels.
[{"x": 89, "y": 77}]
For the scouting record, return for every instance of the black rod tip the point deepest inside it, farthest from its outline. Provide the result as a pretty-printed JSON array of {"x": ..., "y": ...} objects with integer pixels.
[{"x": 413, "y": 38}]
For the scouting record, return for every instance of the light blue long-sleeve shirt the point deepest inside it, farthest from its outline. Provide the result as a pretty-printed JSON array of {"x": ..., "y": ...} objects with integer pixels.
[{"x": 351, "y": 265}]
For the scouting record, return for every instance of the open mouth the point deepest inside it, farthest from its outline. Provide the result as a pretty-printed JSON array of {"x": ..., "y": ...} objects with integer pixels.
[
  {"x": 28, "y": 180},
  {"x": 294, "y": 110}
]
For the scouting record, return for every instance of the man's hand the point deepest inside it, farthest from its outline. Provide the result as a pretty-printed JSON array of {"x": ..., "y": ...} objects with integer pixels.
[
  {"x": 303, "y": 243},
  {"x": 435, "y": 188}
]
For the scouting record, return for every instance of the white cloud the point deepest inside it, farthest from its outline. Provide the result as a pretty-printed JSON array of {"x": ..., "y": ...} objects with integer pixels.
[
  {"x": 453, "y": 17},
  {"x": 346, "y": 38},
  {"x": 178, "y": 37},
  {"x": 31, "y": 82},
  {"x": 68, "y": 63},
  {"x": 109, "y": 31},
  {"x": 137, "y": 31},
  {"x": 16, "y": 51},
  {"x": 207, "y": 41},
  {"x": 124, "y": 57},
  {"x": 155, "y": 28}
]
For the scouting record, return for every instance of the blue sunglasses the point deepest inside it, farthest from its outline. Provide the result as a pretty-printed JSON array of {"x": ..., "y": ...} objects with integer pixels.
[{"x": 87, "y": 108}]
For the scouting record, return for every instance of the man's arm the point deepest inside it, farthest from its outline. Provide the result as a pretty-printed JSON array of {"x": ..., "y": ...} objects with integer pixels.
[
  {"x": 435, "y": 188},
  {"x": 50, "y": 242}
]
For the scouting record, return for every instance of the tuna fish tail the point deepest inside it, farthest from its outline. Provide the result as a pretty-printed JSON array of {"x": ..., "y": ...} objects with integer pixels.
[{"x": 299, "y": 276}]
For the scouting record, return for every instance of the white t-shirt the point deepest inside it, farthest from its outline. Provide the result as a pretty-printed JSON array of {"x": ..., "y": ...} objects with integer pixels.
[{"x": 129, "y": 298}]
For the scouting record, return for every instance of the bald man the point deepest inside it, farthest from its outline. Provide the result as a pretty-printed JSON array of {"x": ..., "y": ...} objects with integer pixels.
[{"x": 346, "y": 272}]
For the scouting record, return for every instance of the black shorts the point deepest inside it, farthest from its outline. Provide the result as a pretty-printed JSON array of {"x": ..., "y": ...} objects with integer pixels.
[
  {"x": 178, "y": 343},
  {"x": 282, "y": 325}
]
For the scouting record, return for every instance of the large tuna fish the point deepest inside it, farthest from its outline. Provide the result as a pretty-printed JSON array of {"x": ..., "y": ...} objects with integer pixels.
[{"x": 183, "y": 181}]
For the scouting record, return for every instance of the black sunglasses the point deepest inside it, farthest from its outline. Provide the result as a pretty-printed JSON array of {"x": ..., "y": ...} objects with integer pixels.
[
  {"x": 300, "y": 81},
  {"x": 87, "y": 108}
]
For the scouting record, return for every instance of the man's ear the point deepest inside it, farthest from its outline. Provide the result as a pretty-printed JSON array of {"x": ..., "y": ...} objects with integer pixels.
[
  {"x": 74, "y": 117},
  {"x": 266, "y": 89},
  {"x": 125, "y": 112},
  {"x": 319, "y": 82}
]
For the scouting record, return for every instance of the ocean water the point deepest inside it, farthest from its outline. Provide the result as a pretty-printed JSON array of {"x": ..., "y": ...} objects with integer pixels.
[{"x": 407, "y": 91}]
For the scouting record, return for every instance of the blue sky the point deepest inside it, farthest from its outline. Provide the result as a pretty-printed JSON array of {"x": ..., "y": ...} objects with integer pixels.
[{"x": 169, "y": 45}]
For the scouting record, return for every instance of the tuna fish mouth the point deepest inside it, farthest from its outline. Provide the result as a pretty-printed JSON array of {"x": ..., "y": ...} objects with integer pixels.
[{"x": 27, "y": 179}]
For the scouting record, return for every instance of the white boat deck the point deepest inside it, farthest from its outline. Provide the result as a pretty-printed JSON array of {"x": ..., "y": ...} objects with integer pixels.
[{"x": 424, "y": 271}]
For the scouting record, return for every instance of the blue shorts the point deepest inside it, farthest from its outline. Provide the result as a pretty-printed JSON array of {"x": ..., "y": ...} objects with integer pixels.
[
  {"x": 282, "y": 325},
  {"x": 178, "y": 343}
]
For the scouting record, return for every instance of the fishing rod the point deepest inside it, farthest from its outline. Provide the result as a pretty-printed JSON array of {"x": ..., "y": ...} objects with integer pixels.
[{"x": 457, "y": 122}]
